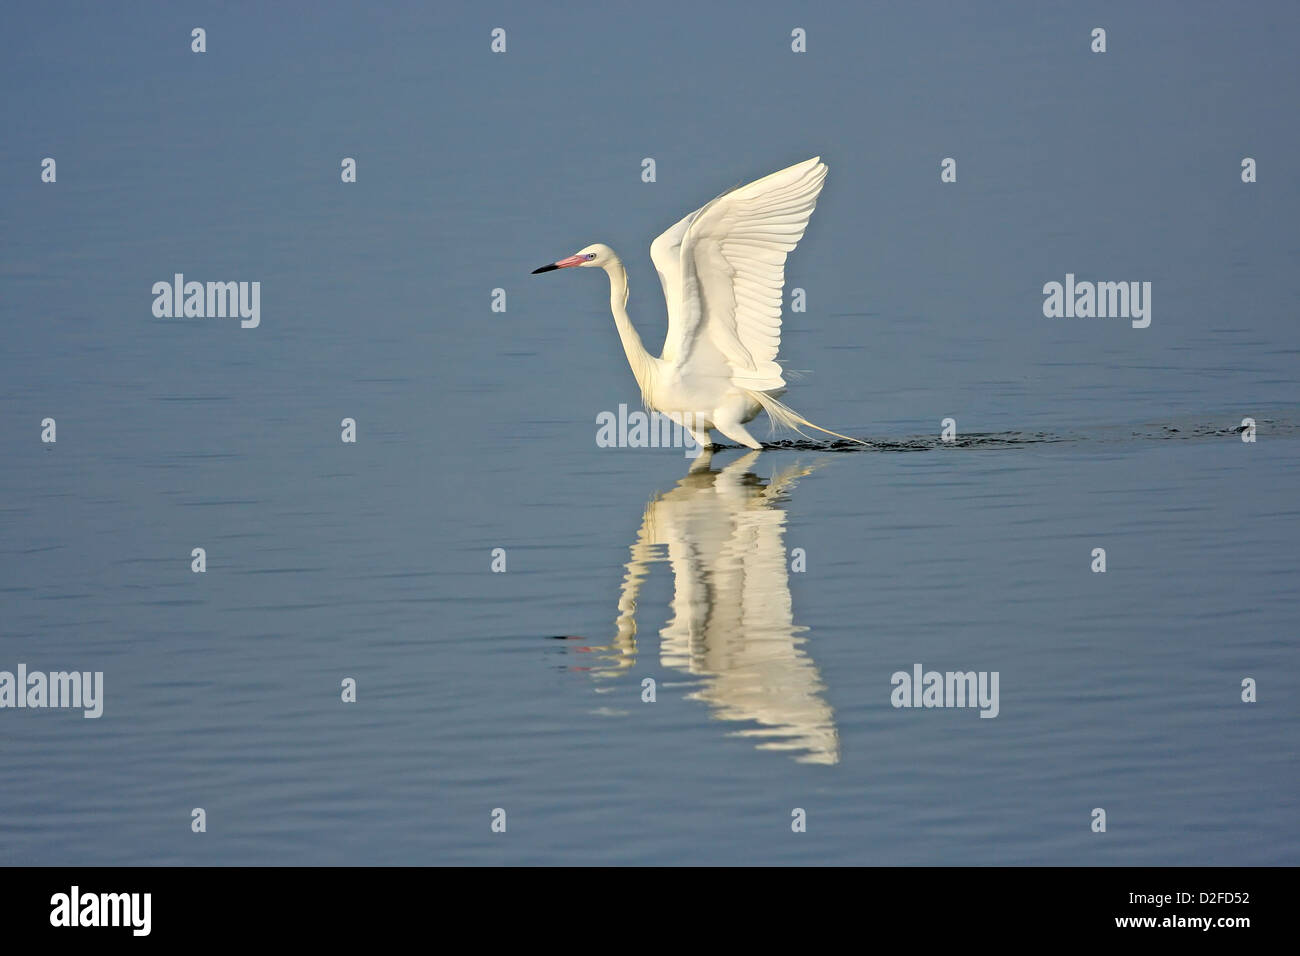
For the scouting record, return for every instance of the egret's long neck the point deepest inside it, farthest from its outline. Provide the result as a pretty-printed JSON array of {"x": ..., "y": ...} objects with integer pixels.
[{"x": 637, "y": 356}]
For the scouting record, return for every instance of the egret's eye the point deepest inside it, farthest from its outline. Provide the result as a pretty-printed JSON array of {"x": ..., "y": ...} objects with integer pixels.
[{"x": 591, "y": 255}]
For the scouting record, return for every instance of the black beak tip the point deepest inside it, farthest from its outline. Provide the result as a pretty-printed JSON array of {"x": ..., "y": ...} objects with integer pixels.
[{"x": 550, "y": 268}]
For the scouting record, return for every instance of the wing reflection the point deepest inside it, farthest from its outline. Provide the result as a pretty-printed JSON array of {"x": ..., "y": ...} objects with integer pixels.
[{"x": 732, "y": 624}]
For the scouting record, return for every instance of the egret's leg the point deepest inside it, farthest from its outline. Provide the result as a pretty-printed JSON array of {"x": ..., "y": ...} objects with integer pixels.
[
  {"x": 730, "y": 426},
  {"x": 701, "y": 436}
]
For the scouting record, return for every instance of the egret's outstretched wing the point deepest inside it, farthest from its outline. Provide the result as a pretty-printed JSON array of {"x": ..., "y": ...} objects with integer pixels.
[
  {"x": 666, "y": 254},
  {"x": 723, "y": 269}
]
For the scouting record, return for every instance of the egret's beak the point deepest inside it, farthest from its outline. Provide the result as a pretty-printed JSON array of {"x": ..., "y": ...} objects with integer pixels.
[{"x": 562, "y": 264}]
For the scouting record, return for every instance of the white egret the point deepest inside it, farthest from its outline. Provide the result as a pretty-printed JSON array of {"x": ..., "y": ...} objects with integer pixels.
[{"x": 722, "y": 269}]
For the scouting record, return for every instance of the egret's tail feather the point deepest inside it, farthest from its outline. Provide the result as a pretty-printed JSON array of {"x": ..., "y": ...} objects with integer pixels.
[{"x": 783, "y": 416}]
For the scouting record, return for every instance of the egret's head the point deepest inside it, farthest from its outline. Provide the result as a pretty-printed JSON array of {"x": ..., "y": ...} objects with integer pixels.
[{"x": 597, "y": 254}]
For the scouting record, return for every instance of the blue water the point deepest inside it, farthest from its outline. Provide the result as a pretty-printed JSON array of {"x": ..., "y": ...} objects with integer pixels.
[{"x": 476, "y": 431}]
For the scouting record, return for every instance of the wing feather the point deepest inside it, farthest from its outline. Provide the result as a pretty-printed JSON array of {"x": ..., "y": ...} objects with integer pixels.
[{"x": 723, "y": 270}]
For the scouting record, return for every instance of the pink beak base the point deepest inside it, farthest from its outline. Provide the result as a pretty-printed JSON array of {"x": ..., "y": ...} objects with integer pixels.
[{"x": 562, "y": 264}]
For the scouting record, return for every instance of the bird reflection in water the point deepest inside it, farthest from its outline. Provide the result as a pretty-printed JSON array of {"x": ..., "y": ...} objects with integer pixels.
[{"x": 732, "y": 626}]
